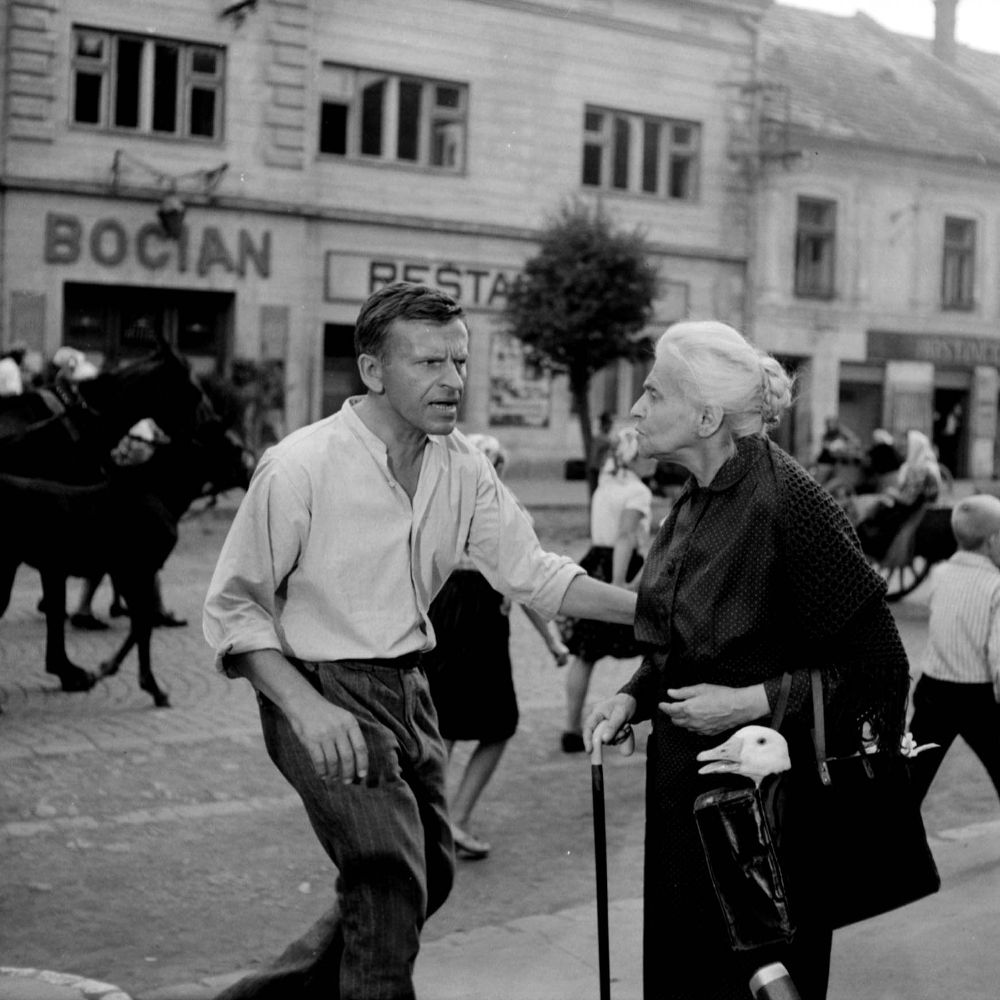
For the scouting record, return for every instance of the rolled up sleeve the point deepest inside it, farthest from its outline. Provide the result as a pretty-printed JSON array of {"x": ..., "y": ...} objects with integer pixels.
[
  {"x": 505, "y": 549},
  {"x": 243, "y": 605}
]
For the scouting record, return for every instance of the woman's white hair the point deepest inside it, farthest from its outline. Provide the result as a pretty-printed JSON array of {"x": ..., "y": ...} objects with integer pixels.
[{"x": 717, "y": 366}]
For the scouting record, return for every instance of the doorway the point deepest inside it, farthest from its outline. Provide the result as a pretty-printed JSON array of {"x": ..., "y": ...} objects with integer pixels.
[
  {"x": 341, "y": 379},
  {"x": 951, "y": 407},
  {"x": 115, "y": 323}
]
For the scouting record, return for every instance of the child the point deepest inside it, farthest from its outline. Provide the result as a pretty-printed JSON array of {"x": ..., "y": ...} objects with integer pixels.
[{"x": 959, "y": 690}]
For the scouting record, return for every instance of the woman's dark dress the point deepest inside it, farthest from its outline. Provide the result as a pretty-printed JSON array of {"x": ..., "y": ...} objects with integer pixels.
[
  {"x": 756, "y": 574},
  {"x": 590, "y": 639},
  {"x": 469, "y": 669}
]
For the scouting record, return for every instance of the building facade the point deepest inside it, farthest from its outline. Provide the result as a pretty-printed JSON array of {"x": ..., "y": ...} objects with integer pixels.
[
  {"x": 877, "y": 230},
  {"x": 238, "y": 177}
]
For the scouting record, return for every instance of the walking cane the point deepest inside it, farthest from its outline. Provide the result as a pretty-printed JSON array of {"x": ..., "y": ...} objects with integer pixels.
[{"x": 626, "y": 740}]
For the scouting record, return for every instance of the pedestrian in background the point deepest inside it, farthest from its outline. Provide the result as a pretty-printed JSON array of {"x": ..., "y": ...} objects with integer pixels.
[
  {"x": 918, "y": 483},
  {"x": 620, "y": 513},
  {"x": 600, "y": 445},
  {"x": 470, "y": 675},
  {"x": 882, "y": 462},
  {"x": 755, "y": 573},
  {"x": 959, "y": 686},
  {"x": 11, "y": 382},
  {"x": 319, "y": 598}
]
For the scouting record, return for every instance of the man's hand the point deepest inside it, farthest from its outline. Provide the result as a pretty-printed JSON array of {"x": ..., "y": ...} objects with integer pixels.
[
  {"x": 331, "y": 736},
  {"x": 712, "y": 708},
  {"x": 617, "y": 710}
]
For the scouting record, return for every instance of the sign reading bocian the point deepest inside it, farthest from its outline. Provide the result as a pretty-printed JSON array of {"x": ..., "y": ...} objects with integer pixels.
[
  {"x": 350, "y": 278},
  {"x": 109, "y": 242}
]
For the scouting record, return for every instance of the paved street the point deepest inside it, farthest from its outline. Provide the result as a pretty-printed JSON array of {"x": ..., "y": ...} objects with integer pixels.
[{"x": 149, "y": 848}]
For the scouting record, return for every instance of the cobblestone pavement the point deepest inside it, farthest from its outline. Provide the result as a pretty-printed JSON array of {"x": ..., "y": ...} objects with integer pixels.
[{"x": 150, "y": 847}]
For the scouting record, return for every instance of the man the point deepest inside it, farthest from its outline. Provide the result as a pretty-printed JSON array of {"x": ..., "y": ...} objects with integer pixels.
[{"x": 350, "y": 527}]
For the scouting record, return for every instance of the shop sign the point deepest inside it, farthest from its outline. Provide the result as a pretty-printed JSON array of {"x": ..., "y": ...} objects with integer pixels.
[
  {"x": 350, "y": 278},
  {"x": 110, "y": 243},
  {"x": 964, "y": 352}
]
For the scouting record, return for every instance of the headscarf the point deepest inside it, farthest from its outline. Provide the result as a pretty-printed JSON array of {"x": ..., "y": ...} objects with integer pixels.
[
  {"x": 73, "y": 364},
  {"x": 921, "y": 461},
  {"x": 10, "y": 378}
]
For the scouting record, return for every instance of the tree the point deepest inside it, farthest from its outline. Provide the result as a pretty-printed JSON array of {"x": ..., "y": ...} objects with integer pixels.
[{"x": 582, "y": 299}]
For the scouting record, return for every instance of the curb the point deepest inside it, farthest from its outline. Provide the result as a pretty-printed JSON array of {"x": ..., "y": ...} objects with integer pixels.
[{"x": 41, "y": 984}]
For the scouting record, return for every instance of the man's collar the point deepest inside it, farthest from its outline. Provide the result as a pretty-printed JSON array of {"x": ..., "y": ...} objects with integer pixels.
[{"x": 368, "y": 436}]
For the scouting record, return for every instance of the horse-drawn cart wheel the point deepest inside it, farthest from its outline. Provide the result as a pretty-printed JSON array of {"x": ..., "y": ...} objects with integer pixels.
[{"x": 903, "y": 580}]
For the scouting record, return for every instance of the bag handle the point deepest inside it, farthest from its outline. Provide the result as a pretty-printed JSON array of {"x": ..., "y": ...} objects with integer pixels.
[
  {"x": 780, "y": 707},
  {"x": 819, "y": 724}
]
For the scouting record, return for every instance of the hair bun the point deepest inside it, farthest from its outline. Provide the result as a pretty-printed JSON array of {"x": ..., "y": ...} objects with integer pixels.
[{"x": 775, "y": 390}]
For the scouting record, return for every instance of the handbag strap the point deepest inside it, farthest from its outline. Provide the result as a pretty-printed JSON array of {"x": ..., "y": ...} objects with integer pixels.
[
  {"x": 819, "y": 725},
  {"x": 778, "y": 715}
]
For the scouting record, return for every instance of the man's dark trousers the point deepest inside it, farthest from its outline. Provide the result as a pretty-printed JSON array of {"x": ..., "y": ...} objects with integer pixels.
[{"x": 388, "y": 836}]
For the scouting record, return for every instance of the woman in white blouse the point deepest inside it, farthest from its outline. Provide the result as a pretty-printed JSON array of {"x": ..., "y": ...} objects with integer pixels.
[{"x": 619, "y": 534}]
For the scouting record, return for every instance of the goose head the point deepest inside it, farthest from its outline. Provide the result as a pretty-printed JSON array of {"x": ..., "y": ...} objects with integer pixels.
[{"x": 753, "y": 751}]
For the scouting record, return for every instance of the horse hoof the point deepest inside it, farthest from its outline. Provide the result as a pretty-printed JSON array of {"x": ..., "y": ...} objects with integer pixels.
[
  {"x": 160, "y": 700},
  {"x": 108, "y": 669},
  {"x": 77, "y": 680}
]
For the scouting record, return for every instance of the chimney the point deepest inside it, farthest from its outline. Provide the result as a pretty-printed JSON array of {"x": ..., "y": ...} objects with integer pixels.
[{"x": 944, "y": 30}]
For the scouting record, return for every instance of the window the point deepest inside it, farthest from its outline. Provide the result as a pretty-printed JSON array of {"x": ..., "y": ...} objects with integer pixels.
[
  {"x": 145, "y": 85},
  {"x": 627, "y": 152},
  {"x": 957, "y": 273},
  {"x": 365, "y": 114},
  {"x": 815, "y": 244}
]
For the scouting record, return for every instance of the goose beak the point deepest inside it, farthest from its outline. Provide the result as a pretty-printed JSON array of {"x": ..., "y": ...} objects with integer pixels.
[{"x": 724, "y": 758}]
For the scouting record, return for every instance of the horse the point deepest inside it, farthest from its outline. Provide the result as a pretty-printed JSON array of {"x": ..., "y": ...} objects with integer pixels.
[
  {"x": 65, "y": 432},
  {"x": 151, "y": 510},
  {"x": 70, "y": 512}
]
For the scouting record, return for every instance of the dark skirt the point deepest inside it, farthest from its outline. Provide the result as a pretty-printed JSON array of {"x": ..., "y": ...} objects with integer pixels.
[
  {"x": 686, "y": 949},
  {"x": 593, "y": 640},
  {"x": 469, "y": 669}
]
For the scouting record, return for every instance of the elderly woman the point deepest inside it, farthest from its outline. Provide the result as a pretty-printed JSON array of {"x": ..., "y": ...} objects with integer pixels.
[{"x": 755, "y": 573}]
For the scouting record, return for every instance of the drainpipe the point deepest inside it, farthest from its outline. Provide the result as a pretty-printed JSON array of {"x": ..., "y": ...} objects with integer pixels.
[{"x": 755, "y": 168}]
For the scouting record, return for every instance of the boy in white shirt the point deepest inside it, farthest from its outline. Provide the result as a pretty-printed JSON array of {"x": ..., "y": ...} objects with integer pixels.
[{"x": 959, "y": 689}]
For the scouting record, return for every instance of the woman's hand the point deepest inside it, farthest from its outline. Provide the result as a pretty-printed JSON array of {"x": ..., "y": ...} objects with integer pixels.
[
  {"x": 560, "y": 652},
  {"x": 712, "y": 708},
  {"x": 617, "y": 710}
]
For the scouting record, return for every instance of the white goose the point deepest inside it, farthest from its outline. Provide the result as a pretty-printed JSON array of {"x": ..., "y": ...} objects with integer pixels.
[{"x": 753, "y": 751}]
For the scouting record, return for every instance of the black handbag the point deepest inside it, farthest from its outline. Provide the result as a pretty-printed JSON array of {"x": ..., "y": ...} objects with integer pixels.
[
  {"x": 744, "y": 866},
  {"x": 738, "y": 829},
  {"x": 858, "y": 823},
  {"x": 843, "y": 838}
]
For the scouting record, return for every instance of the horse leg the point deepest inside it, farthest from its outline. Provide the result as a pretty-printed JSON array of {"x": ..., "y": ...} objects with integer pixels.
[
  {"x": 72, "y": 677},
  {"x": 110, "y": 667},
  {"x": 139, "y": 591},
  {"x": 8, "y": 570}
]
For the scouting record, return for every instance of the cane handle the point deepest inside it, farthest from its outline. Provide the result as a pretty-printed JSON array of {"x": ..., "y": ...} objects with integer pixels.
[{"x": 625, "y": 741}]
